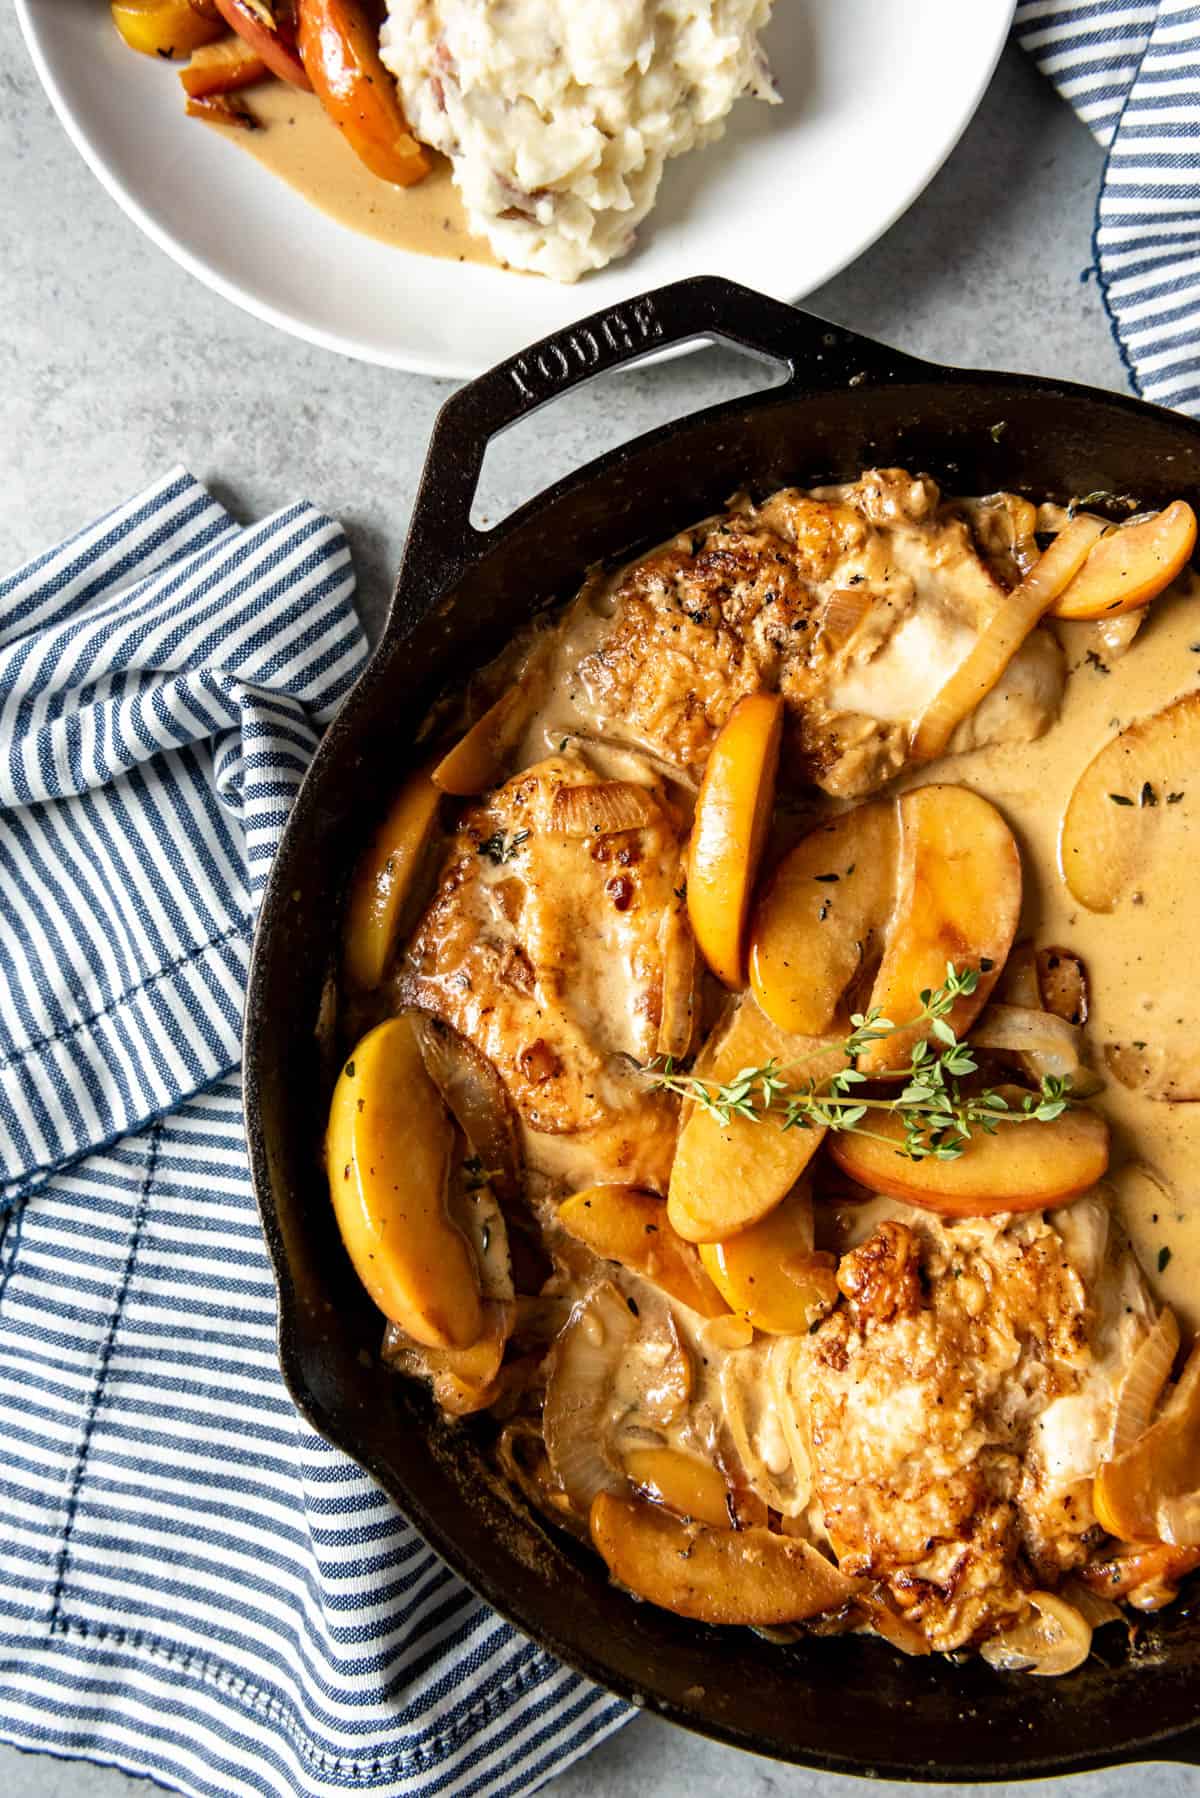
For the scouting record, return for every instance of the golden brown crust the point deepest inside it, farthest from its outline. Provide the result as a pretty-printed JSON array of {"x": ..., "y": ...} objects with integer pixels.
[
  {"x": 542, "y": 948},
  {"x": 927, "y": 1387},
  {"x": 806, "y": 596}
]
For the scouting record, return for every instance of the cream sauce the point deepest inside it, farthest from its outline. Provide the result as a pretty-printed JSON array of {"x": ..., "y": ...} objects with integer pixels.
[
  {"x": 1143, "y": 982},
  {"x": 302, "y": 146},
  {"x": 1141, "y": 957}
]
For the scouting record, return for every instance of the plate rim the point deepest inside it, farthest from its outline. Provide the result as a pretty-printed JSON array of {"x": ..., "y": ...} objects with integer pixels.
[{"x": 414, "y": 360}]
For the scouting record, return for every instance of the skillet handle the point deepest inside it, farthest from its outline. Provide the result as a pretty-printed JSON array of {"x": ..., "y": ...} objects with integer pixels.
[{"x": 443, "y": 543}]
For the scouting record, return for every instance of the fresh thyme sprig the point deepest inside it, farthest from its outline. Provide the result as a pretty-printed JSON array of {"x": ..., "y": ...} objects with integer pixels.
[{"x": 939, "y": 1117}]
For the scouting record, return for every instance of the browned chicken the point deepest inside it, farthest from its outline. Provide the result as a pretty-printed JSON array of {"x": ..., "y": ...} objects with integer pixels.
[
  {"x": 959, "y": 1399},
  {"x": 549, "y": 945},
  {"x": 856, "y": 605}
]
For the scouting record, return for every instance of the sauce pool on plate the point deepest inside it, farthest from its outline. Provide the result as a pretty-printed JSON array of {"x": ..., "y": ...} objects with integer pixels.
[{"x": 298, "y": 144}]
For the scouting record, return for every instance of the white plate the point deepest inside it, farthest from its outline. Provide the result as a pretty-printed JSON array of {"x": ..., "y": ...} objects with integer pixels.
[{"x": 876, "y": 94}]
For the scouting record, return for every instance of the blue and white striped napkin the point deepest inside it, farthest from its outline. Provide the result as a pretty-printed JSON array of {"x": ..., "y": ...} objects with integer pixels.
[
  {"x": 1131, "y": 70},
  {"x": 193, "y": 1585}
]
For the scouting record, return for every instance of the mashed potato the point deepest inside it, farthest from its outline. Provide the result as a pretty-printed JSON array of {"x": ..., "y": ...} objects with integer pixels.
[{"x": 559, "y": 115}]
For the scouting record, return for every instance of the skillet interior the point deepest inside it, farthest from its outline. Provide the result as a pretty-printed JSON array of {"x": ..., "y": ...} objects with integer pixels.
[{"x": 848, "y": 1704}]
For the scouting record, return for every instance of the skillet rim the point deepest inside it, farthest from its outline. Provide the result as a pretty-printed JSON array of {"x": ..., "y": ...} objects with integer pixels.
[{"x": 428, "y": 572}]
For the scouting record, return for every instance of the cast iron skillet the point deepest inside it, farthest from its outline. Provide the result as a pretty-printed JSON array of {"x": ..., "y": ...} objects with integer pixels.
[{"x": 849, "y": 1704}]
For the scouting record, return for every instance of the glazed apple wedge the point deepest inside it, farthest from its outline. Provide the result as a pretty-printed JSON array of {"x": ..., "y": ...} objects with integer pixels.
[
  {"x": 916, "y": 883},
  {"x": 1134, "y": 791},
  {"x": 1023, "y": 1167},
  {"x": 387, "y": 873},
  {"x": 388, "y": 1149},
  {"x": 733, "y": 812},
  {"x": 750, "y": 1576},
  {"x": 1130, "y": 565},
  {"x": 728, "y": 1175},
  {"x": 685, "y": 1485},
  {"x": 622, "y": 1223},
  {"x": 958, "y": 901},
  {"x": 822, "y": 918},
  {"x": 772, "y": 1274}
]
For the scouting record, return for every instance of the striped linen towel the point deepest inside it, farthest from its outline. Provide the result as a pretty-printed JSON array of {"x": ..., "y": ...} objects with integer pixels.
[
  {"x": 1131, "y": 70},
  {"x": 195, "y": 1586}
]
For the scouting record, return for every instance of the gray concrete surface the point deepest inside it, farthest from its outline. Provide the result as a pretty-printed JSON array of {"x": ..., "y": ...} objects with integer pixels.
[{"x": 114, "y": 363}]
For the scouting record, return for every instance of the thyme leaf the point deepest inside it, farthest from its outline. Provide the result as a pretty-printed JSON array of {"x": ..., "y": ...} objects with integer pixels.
[
  {"x": 498, "y": 848},
  {"x": 938, "y": 1116}
]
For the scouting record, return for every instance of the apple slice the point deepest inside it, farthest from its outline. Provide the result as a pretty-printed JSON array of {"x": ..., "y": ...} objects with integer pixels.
[
  {"x": 1130, "y": 565},
  {"x": 462, "y": 1380},
  {"x": 622, "y": 1223},
  {"x": 733, "y": 811},
  {"x": 1131, "y": 792},
  {"x": 387, "y": 1153},
  {"x": 958, "y": 900},
  {"x": 385, "y": 876},
  {"x": 1163, "y": 1464},
  {"x": 683, "y": 1483},
  {"x": 1015, "y": 614},
  {"x": 749, "y": 1576},
  {"x": 771, "y": 1274},
  {"x": 726, "y": 1177},
  {"x": 1023, "y": 1167},
  {"x": 481, "y": 759},
  {"x": 823, "y": 915}
]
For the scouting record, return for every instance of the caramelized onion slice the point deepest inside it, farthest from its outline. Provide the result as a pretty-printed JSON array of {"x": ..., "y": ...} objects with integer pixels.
[
  {"x": 521, "y": 1453},
  {"x": 477, "y": 1099},
  {"x": 1115, "y": 635},
  {"x": 1054, "y": 1640},
  {"x": 1051, "y": 1045},
  {"x": 754, "y": 1403},
  {"x": 583, "y": 1371},
  {"x": 844, "y": 611},
  {"x": 1013, "y": 617},
  {"x": 892, "y": 1625},
  {"x": 1094, "y": 1607},
  {"x": 1018, "y": 983},
  {"x": 1163, "y": 1464},
  {"x": 605, "y": 806},
  {"x": 1178, "y": 1519},
  {"x": 1145, "y": 1382}
]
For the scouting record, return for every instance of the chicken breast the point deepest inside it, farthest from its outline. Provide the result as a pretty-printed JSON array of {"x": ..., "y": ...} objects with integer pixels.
[
  {"x": 548, "y": 944},
  {"x": 959, "y": 1400},
  {"x": 855, "y": 604}
]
